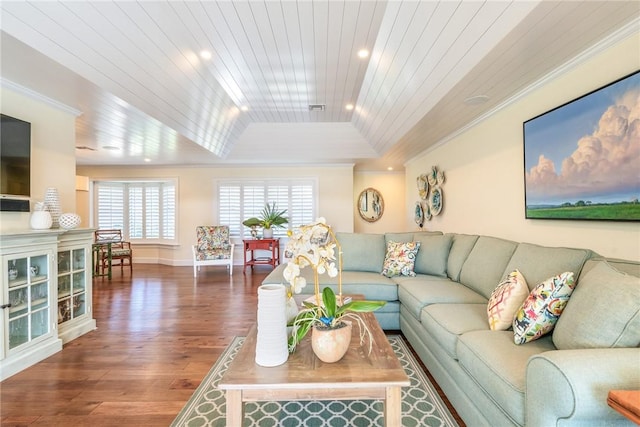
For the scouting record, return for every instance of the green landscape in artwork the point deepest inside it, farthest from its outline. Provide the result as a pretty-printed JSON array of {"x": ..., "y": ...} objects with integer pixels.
[{"x": 605, "y": 211}]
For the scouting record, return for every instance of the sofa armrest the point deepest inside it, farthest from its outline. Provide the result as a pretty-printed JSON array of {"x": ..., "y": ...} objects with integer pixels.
[{"x": 572, "y": 385}]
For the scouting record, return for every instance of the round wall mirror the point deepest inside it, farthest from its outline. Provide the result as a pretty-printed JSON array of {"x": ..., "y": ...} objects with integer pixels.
[{"x": 370, "y": 205}]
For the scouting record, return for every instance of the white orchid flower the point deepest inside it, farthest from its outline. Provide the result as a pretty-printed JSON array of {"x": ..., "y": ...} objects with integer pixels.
[
  {"x": 300, "y": 283},
  {"x": 332, "y": 270},
  {"x": 291, "y": 271}
]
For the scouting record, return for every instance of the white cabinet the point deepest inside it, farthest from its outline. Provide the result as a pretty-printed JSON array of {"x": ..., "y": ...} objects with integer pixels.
[
  {"x": 74, "y": 299},
  {"x": 30, "y": 304},
  {"x": 28, "y": 322}
]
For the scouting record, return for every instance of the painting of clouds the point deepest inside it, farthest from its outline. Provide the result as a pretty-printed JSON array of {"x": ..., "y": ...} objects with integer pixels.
[{"x": 582, "y": 159}]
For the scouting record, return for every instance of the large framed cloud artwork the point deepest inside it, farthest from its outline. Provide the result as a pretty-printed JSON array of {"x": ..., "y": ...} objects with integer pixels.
[{"x": 582, "y": 159}]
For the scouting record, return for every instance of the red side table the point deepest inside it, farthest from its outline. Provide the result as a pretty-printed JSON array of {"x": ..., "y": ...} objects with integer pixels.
[{"x": 252, "y": 245}]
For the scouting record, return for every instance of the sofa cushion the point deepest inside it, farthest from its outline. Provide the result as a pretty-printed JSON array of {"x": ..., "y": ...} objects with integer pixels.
[
  {"x": 400, "y": 259},
  {"x": 433, "y": 254},
  {"x": 398, "y": 237},
  {"x": 373, "y": 286},
  {"x": 540, "y": 311},
  {"x": 505, "y": 301},
  {"x": 605, "y": 294},
  {"x": 461, "y": 245},
  {"x": 446, "y": 322},
  {"x": 362, "y": 252},
  {"x": 485, "y": 264},
  {"x": 417, "y": 292},
  {"x": 537, "y": 263},
  {"x": 499, "y": 366}
]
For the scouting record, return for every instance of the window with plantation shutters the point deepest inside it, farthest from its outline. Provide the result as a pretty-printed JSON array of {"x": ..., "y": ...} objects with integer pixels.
[
  {"x": 242, "y": 199},
  {"x": 144, "y": 210}
]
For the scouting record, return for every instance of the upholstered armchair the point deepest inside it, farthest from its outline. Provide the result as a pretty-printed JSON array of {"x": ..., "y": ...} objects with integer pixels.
[{"x": 213, "y": 247}]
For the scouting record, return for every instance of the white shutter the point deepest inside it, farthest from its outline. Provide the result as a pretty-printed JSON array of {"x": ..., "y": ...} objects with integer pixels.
[
  {"x": 152, "y": 211},
  {"x": 239, "y": 200},
  {"x": 168, "y": 211},
  {"x": 252, "y": 200},
  {"x": 302, "y": 207},
  {"x": 144, "y": 210},
  {"x": 279, "y": 194},
  {"x": 110, "y": 202},
  {"x": 229, "y": 208},
  {"x": 136, "y": 212}
]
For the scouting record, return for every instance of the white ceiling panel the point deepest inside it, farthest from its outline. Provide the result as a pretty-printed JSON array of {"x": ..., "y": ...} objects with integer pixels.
[{"x": 135, "y": 70}]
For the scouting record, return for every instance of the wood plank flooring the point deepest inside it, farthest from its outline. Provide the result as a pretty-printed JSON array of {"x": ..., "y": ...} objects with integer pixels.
[{"x": 159, "y": 332}]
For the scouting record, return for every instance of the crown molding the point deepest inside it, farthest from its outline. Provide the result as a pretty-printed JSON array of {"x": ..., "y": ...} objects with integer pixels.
[{"x": 22, "y": 90}]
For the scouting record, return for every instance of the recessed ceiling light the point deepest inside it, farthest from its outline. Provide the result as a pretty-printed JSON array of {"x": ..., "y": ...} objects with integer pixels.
[
  {"x": 205, "y": 54},
  {"x": 244, "y": 108},
  {"x": 476, "y": 100},
  {"x": 349, "y": 107},
  {"x": 390, "y": 168},
  {"x": 363, "y": 53},
  {"x": 147, "y": 160}
]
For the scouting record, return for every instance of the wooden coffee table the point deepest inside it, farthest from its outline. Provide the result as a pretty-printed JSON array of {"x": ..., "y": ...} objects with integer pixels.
[{"x": 359, "y": 375}]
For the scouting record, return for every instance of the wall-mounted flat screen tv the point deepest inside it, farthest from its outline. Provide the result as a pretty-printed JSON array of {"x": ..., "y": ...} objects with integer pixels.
[{"x": 15, "y": 158}]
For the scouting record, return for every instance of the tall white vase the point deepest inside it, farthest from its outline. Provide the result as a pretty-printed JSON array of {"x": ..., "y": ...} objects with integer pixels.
[
  {"x": 52, "y": 202},
  {"x": 271, "y": 345}
]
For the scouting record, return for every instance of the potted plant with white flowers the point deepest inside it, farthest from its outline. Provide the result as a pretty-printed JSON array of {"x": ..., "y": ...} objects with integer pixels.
[{"x": 329, "y": 317}]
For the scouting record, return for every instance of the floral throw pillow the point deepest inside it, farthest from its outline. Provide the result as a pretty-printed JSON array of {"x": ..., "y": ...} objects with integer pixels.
[
  {"x": 542, "y": 308},
  {"x": 505, "y": 301},
  {"x": 400, "y": 259}
]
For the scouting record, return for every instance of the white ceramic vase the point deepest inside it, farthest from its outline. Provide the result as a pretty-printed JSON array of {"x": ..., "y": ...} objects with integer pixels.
[
  {"x": 271, "y": 345},
  {"x": 40, "y": 220},
  {"x": 267, "y": 233},
  {"x": 52, "y": 202}
]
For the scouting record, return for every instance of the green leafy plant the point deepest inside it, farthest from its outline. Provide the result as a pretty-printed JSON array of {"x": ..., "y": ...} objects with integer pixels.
[
  {"x": 270, "y": 217},
  {"x": 330, "y": 315}
]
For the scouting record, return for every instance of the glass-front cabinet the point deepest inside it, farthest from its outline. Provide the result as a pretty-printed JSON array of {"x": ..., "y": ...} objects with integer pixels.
[
  {"x": 74, "y": 280},
  {"x": 28, "y": 301},
  {"x": 72, "y": 289}
]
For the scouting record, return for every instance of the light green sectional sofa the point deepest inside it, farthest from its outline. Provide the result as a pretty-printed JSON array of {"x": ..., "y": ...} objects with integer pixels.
[{"x": 560, "y": 379}]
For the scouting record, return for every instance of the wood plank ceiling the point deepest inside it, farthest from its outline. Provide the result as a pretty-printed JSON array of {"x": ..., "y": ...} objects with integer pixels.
[{"x": 210, "y": 82}]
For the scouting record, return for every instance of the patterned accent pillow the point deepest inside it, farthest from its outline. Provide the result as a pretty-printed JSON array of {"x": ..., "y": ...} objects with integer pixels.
[
  {"x": 505, "y": 301},
  {"x": 400, "y": 258},
  {"x": 542, "y": 308}
]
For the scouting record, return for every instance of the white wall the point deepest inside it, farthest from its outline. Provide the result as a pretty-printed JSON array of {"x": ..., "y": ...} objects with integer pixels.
[
  {"x": 484, "y": 167},
  {"x": 197, "y": 195},
  {"x": 53, "y": 161},
  {"x": 391, "y": 186}
]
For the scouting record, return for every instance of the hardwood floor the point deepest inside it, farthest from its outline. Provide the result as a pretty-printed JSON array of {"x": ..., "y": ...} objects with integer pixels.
[{"x": 158, "y": 335}]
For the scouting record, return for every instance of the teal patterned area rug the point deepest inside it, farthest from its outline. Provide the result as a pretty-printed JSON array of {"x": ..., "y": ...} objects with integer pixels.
[{"x": 421, "y": 405}]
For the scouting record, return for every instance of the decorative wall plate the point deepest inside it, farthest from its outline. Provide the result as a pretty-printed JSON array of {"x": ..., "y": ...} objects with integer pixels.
[
  {"x": 433, "y": 176},
  {"x": 435, "y": 201},
  {"x": 423, "y": 186},
  {"x": 419, "y": 215},
  {"x": 427, "y": 212},
  {"x": 440, "y": 177}
]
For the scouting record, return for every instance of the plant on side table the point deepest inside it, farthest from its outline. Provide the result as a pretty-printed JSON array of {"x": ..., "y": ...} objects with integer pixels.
[
  {"x": 270, "y": 218},
  {"x": 329, "y": 318}
]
